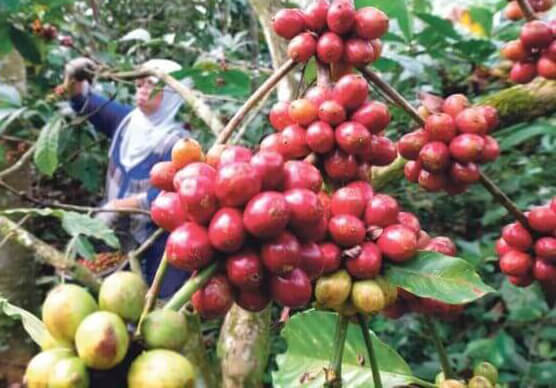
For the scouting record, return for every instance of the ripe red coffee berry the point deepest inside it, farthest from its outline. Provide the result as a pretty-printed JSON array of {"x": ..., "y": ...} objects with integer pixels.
[
  {"x": 269, "y": 166},
  {"x": 523, "y": 72},
  {"x": 311, "y": 260},
  {"x": 291, "y": 290},
  {"x": 346, "y": 230},
  {"x": 351, "y": 91},
  {"x": 551, "y": 51},
  {"x": 536, "y": 35},
  {"x": 332, "y": 112},
  {"x": 288, "y": 22},
  {"x": 214, "y": 299},
  {"x": 320, "y": 137},
  {"x": 382, "y": 210},
  {"x": 553, "y": 204},
  {"x": 467, "y": 173},
  {"x": 305, "y": 207},
  {"x": 245, "y": 270},
  {"x": 411, "y": 170},
  {"x": 301, "y": 175},
  {"x": 546, "y": 67},
  {"x": 502, "y": 247},
  {"x": 455, "y": 104},
  {"x": 365, "y": 188},
  {"x": 359, "y": 52},
  {"x": 332, "y": 256},
  {"x": 271, "y": 143},
  {"x": 435, "y": 157},
  {"x": 542, "y": 219},
  {"x": 302, "y": 111},
  {"x": 467, "y": 147},
  {"x": 442, "y": 245},
  {"x": 348, "y": 200},
  {"x": 302, "y": 47},
  {"x": 516, "y": 263},
  {"x": 491, "y": 115},
  {"x": 330, "y": 47},
  {"x": 340, "y": 166},
  {"x": 198, "y": 198},
  {"x": 188, "y": 247},
  {"x": 167, "y": 211},
  {"x": 266, "y": 215},
  {"x": 514, "y": 51},
  {"x": 226, "y": 231},
  {"x": 315, "y": 15},
  {"x": 313, "y": 232},
  {"x": 517, "y": 236},
  {"x": 252, "y": 300},
  {"x": 411, "y": 144},
  {"x": 472, "y": 120},
  {"x": 440, "y": 127},
  {"x": 236, "y": 184},
  {"x": 281, "y": 254},
  {"x": 409, "y": 220},
  {"x": 341, "y": 16},
  {"x": 371, "y": 23},
  {"x": 398, "y": 243},
  {"x": 374, "y": 115},
  {"x": 432, "y": 182},
  {"x": 162, "y": 176},
  {"x": 545, "y": 247},
  {"x": 491, "y": 150},
  {"x": 367, "y": 264},
  {"x": 544, "y": 271},
  {"x": 382, "y": 151},
  {"x": 318, "y": 94},
  {"x": 292, "y": 142},
  {"x": 352, "y": 137},
  {"x": 194, "y": 170},
  {"x": 522, "y": 281},
  {"x": 233, "y": 154},
  {"x": 279, "y": 116}
]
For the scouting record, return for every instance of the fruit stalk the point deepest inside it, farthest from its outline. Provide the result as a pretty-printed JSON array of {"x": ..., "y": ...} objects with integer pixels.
[
  {"x": 252, "y": 101},
  {"x": 527, "y": 10},
  {"x": 183, "y": 295},
  {"x": 446, "y": 368},
  {"x": 323, "y": 74},
  {"x": 334, "y": 372},
  {"x": 370, "y": 349},
  {"x": 152, "y": 294}
]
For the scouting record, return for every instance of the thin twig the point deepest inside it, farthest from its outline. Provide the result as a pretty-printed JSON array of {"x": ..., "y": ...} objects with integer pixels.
[
  {"x": 133, "y": 256},
  {"x": 370, "y": 350},
  {"x": 20, "y": 163},
  {"x": 12, "y": 232},
  {"x": 334, "y": 372},
  {"x": 527, "y": 10},
  {"x": 446, "y": 368}
]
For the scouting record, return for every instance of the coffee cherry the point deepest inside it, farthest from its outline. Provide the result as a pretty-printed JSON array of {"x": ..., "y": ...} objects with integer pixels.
[
  {"x": 502, "y": 247},
  {"x": 312, "y": 233},
  {"x": 234, "y": 154},
  {"x": 266, "y": 215},
  {"x": 367, "y": 296},
  {"x": 236, "y": 184},
  {"x": 226, "y": 231},
  {"x": 517, "y": 236},
  {"x": 551, "y": 51},
  {"x": 541, "y": 6},
  {"x": 244, "y": 270},
  {"x": 455, "y": 104},
  {"x": 377, "y": 46},
  {"x": 514, "y": 51},
  {"x": 432, "y": 182},
  {"x": 351, "y": 91},
  {"x": 318, "y": 94},
  {"x": 435, "y": 157},
  {"x": 198, "y": 198},
  {"x": 516, "y": 263},
  {"x": 333, "y": 290},
  {"x": 491, "y": 150},
  {"x": 472, "y": 120},
  {"x": 341, "y": 16},
  {"x": 398, "y": 243},
  {"x": 467, "y": 147},
  {"x": 292, "y": 142},
  {"x": 442, "y": 245},
  {"x": 346, "y": 230},
  {"x": 544, "y": 271},
  {"x": 332, "y": 256},
  {"x": 365, "y": 188},
  {"x": 382, "y": 210},
  {"x": 288, "y": 23},
  {"x": 546, "y": 67},
  {"x": 330, "y": 48},
  {"x": 303, "y": 111},
  {"x": 411, "y": 144},
  {"x": 311, "y": 260},
  {"x": 320, "y": 137},
  {"x": 352, "y": 137},
  {"x": 348, "y": 200},
  {"x": 188, "y": 247},
  {"x": 382, "y": 152},
  {"x": 465, "y": 173},
  {"x": 292, "y": 289},
  {"x": 271, "y": 143},
  {"x": 167, "y": 211},
  {"x": 269, "y": 167},
  {"x": 542, "y": 219},
  {"x": 194, "y": 170},
  {"x": 367, "y": 264},
  {"x": 302, "y": 47},
  {"x": 305, "y": 207},
  {"x": 252, "y": 300},
  {"x": 301, "y": 175},
  {"x": 332, "y": 112},
  {"x": 522, "y": 281},
  {"x": 440, "y": 127},
  {"x": 359, "y": 52},
  {"x": 370, "y": 23},
  {"x": 214, "y": 299},
  {"x": 536, "y": 35},
  {"x": 545, "y": 247},
  {"x": 281, "y": 254},
  {"x": 409, "y": 220},
  {"x": 162, "y": 176},
  {"x": 491, "y": 116},
  {"x": 411, "y": 170},
  {"x": 523, "y": 72},
  {"x": 315, "y": 15},
  {"x": 513, "y": 11},
  {"x": 374, "y": 115},
  {"x": 279, "y": 116},
  {"x": 340, "y": 166},
  {"x": 487, "y": 370}
]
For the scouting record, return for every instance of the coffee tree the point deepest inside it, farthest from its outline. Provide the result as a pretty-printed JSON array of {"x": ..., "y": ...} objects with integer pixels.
[{"x": 317, "y": 220}]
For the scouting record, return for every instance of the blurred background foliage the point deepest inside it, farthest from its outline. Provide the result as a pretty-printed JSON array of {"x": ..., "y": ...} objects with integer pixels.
[{"x": 436, "y": 46}]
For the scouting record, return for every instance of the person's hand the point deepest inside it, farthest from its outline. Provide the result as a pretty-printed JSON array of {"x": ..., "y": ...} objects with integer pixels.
[{"x": 80, "y": 69}]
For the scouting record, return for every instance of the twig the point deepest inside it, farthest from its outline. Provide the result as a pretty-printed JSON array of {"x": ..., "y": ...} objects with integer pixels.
[
  {"x": 195, "y": 282},
  {"x": 268, "y": 85},
  {"x": 20, "y": 163},
  {"x": 370, "y": 350},
  {"x": 334, "y": 372},
  {"x": 446, "y": 368},
  {"x": 13, "y": 231},
  {"x": 527, "y": 10},
  {"x": 133, "y": 256}
]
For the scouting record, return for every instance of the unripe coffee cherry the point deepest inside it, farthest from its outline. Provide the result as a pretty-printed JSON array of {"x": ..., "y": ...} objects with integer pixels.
[
  {"x": 514, "y": 51},
  {"x": 302, "y": 47},
  {"x": 288, "y": 22},
  {"x": 334, "y": 289},
  {"x": 341, "y": 16},
  {"x": 523, "y": 72},
  {"x": 371, "y": 23},
  {"x": 536, "y": 35},
  {"x": 487, "y": 370},
  {"x": 302, "y": 111}
]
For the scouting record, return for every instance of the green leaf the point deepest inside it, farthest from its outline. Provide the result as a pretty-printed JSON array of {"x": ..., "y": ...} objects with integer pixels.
[
  {"x": 432, "y": 275},
  {"x": 395, "y": 9},
  {"x": 5, "y": 121},
  {"x": 543, "y": 373},
  {"x": 84, "y": 248},
  {"x": 476, "y": 50},
  {"x": 443, "y": 26},
  {"x": 483, "y": 16},
  {"x": 500, "y": 350},
  {"x": 510, "y": 137},
  {"x": 46, "y": 153},
  {"x": 26, "y": 45},
  {"x": 525, "y": 304},
  {"x": 309, "y": 336},
  {"x": 5, "y": 41},
  {"x": 32, "y": 325}
]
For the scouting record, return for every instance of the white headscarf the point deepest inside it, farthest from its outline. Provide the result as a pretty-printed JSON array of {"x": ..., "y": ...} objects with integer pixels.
[{"x": 142, "y": 132}]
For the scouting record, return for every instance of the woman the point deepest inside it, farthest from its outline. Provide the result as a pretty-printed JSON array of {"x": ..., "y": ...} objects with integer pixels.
[{"x": 140, "y": 137}]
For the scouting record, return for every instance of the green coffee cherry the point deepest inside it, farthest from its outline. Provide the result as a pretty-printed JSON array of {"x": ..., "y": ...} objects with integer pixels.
[{"x": 486, "y": 369}]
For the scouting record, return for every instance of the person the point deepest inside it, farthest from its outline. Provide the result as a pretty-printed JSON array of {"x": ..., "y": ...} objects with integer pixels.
[{"x": 140, "y": 137}]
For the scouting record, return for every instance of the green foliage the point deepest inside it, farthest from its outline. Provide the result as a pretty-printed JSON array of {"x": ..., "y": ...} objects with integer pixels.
[
  {"x": 46, "y": 153},
  {"x": 32, "y": 325}
]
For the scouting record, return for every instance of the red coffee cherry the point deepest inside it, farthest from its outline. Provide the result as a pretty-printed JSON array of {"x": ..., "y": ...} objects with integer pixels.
[
  {"x": 341, "y": 16},
  {"x": 330, "y": 47},
  {"x": 440, "y": 127},
  {"x": 302, "y": 47},
  {"x": 288, "y": 22},
  {"x": 523, "y": 72},
  {"x": 411, "y": 144},
  {"x": 516, "y": 263},
  {"x": 536, "y": 35},
  {"x": 398, "y": 243},
  {"x": 517, "y": 236},
  {"x": 371, "y": 23}
]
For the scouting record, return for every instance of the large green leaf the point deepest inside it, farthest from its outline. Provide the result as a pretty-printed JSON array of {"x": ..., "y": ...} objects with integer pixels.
[
  {"x": 517, "y": 134},
  {"x": 32, "y": 325},
  {"x": 433, "y": 275},
  {"x": 309, "y": 336},
  {"x": 395, "y": 9},
  {"x": 26, "y": 45},
  {"x": 46, "y": 153},
  {"x": 483, "y": 16}
]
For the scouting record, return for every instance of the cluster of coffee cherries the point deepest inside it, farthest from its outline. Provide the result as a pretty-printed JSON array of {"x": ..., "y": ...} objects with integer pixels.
[
  {"x": 408, "y": 303},
  {"x": 337, "y": 122},
  {"x": 485, "y": 375},
  {"x": 335, "y": 32},
  {"x": 534, "y": 53},
  {"x": 525, "y": 256},
  {"x": 445, "y": 154},
  {"x": 513, "y": 10},
  {"x": 45, "y": 31}
]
